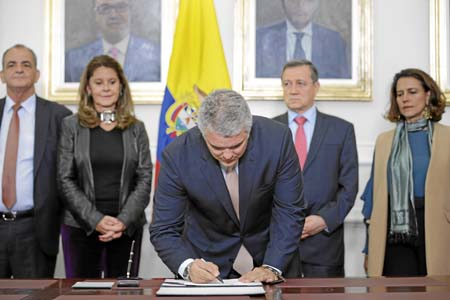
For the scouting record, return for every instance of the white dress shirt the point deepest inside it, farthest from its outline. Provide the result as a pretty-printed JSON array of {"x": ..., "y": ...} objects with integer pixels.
[
  {"x": 122, "y": 46},
  {"x": 25, "y": 155},
  {"x": 291, "y": 38}
]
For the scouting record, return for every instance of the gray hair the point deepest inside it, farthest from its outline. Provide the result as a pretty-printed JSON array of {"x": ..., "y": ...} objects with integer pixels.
[
  {"x": 224, "y": 112},
  {"x": 19, "y": 46},
  {"x": 300, "y": 63}
]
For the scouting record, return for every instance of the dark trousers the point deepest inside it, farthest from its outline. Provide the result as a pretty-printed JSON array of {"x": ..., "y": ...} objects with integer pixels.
[
  {"x": 20, "y": 253},
  {"x": 319, "y": 271},
  {"x": 406, "y": 259},
  {"x": 85, "y": 256}
]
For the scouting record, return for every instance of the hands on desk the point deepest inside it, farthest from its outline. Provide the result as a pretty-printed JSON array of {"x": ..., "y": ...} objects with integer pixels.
[
  {"x": 313, "y": 225},
  {"x": 259, "y": 274},
  {"x": 202, "y": 271},
  {"x": 110, "y": 228}
]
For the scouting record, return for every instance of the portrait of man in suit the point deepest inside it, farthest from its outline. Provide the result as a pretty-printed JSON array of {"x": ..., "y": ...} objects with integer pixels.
[
  {"x": 300, "y": 36},
  {"x": 326, "y": 148},
  {"x": 112, "y": 22},
  {"x": 229, "y": 198}
]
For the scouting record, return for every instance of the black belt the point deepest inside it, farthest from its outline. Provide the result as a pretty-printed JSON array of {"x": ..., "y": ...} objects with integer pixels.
[{"x": 15, "y": 215}]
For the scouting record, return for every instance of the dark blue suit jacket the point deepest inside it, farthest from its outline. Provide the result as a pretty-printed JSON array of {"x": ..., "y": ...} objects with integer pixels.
[
  {"x": 329, "y": 53},
  {"x": 142, "y": 60},
  {"x": 47, "y": 205},
  {"x": 193, "y": 216},
  {"x": 330, "y": 178}
]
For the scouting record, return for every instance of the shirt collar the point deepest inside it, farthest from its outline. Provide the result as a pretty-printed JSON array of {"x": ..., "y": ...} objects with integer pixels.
[
  {"x": 29, "y": 105},
  {"x": 310, "y": 115},
  {"x": 122, "y": 45},
  {"x": 224, "y": 171},
  {"x": 292, "y": 30}
]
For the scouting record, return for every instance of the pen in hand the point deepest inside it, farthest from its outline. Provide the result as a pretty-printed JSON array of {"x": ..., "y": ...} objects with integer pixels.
[{"x": 217, "y": 277}]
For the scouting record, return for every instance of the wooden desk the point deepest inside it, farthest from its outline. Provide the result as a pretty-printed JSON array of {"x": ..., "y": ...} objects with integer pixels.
[{"x": 435, "y": 288}]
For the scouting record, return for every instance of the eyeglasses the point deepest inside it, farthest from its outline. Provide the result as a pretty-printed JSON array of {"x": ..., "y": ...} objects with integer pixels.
[{"x": 106, "y": 9}]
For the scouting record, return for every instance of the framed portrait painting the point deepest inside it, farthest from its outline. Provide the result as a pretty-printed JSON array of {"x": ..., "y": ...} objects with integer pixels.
[
  {"x": 440, "y": 44},
  {"x": 334, "y": 35},
  {"x": 137, "y": 33}
]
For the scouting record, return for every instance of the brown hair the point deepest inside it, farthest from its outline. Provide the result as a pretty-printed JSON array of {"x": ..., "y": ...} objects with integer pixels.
[
  {"x": 436, "y": 100},
  {"x": 124, "y": 108}
]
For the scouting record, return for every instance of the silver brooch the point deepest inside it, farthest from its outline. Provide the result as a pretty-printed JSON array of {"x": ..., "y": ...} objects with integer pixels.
[{"x": 107, "y": 116}]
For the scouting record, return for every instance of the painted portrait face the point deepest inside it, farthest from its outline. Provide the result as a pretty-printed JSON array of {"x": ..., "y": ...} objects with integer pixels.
[
  {"x": 104, "y": 87},
  {"x": 300, "y": 12},
  {"x": 113, "y": 19},
  {"x": 411, "y": 98},
  {"x": 227, "y": 150},
  {"x": 299, "y": 90},
  {"x": 19, "y": 70}
]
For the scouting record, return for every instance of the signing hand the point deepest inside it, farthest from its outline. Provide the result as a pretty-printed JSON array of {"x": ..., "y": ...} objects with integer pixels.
[
  {"x": 313, "y": 225},
  {"x": 203, "y": 272},
  {"x": 259, "y": 274}
]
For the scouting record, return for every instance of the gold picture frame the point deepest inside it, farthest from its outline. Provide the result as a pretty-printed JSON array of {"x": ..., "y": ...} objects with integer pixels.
[
  {"x": 358, "y": 87},
  {"x": 440, "y": 44},
  {"x": 57, "y": 89}
]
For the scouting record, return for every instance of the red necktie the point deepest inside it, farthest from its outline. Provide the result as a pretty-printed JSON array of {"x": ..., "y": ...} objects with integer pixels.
[
  {"x": 114, "y": 52},
  {"x": 10, "y": 160},
  {"x": 300, "y": 141}
]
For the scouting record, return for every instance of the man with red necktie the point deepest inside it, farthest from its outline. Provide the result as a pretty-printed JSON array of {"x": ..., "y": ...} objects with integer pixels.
[
  {"x": 30, "y": 209},
  {"x": 328, "y": 157}
]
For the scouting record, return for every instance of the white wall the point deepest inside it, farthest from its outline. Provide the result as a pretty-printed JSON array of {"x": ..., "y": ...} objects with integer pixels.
[{"x": 400, "y": 40}]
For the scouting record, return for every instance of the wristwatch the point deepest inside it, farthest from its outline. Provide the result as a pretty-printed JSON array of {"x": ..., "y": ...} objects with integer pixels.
[
  {"x": 272, "y": 269},
  {"x": 277, "y": 273},
  {"x": 187, "y": 271}
]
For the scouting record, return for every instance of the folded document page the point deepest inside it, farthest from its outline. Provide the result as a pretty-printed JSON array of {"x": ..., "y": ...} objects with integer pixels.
[
  {"x": 93, "y": 285},
  {"x": 228, "y": 287}
]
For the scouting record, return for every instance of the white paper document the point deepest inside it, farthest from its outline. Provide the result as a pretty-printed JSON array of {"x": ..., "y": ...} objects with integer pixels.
[
  {"x": 172, "y": 287},
  {"x": 93, "y": 285}
]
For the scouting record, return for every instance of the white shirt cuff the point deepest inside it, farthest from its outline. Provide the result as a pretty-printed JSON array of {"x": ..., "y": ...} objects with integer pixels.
[{"x": 183, "y": 266}]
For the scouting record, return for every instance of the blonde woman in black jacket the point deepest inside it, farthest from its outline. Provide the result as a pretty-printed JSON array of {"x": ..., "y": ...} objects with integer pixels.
[{"x": 104, "y": 175}]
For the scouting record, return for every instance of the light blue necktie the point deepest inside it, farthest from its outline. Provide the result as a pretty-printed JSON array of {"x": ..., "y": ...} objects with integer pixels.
[{"x": 299, "y": 52}]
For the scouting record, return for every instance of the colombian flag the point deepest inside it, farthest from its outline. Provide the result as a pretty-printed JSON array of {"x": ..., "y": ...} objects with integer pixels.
[{"x": 197, "y": 67}]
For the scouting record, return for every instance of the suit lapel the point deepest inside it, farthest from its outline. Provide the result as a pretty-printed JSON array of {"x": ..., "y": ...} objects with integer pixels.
[
  {"x": 280, "y": 60},
  {"x": 2, "y": 106},
  {"x": 42, "y": 119},
  {"x": 284, "y": 118},
  {"x": 216, "y": 183},
  {"x": 82, "y": 148},
  {"x": 319, "y": 132},
  {"x": 316, "y": 49},
  {"x": 129, "y": 60},
  {"x": 246, "y": 174},
  {"x": 127, "y": 141}
]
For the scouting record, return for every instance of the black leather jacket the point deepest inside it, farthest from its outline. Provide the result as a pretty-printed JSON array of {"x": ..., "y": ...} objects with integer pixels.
[{"x": 76, "y": 182}]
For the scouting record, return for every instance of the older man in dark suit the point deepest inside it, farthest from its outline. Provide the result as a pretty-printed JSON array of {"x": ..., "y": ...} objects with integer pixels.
[
  {"x": 30, "y": 209},
  {"x": 298, "y": 37},
  {"x": 328, "y": 157},
  {"x": 229, "y": 199}
]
